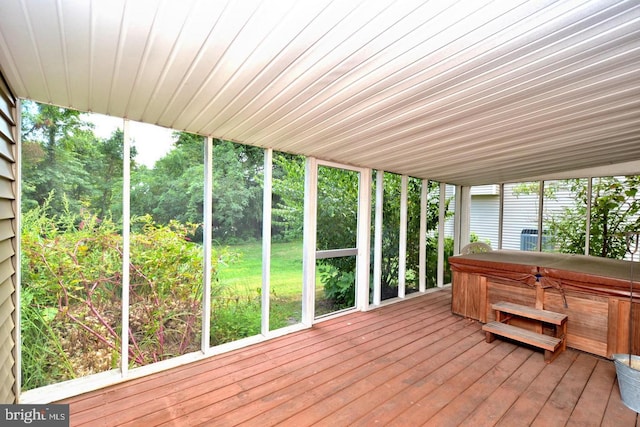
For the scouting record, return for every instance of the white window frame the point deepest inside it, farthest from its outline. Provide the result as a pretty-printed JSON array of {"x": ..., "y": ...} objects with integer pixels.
[{"x": 362, "y": 251}]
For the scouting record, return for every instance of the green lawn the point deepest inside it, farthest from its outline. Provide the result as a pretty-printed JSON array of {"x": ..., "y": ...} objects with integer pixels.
[{"x": 244, "y": 276}]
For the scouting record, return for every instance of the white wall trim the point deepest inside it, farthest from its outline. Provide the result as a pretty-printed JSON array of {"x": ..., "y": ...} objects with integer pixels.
[
  {"x": 17, "y": 188},
  {"x": 422, "y": 262},
  {"x": 364, "y": 240},
  {"x": 441, "y": 220}
]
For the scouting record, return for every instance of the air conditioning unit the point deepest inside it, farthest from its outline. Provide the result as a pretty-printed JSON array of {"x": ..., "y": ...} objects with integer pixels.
[{"x": 529, "y": 240}]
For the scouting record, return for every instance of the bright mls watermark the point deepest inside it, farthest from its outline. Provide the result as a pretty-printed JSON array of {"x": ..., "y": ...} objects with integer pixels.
[{"x": 53, "y": 415}]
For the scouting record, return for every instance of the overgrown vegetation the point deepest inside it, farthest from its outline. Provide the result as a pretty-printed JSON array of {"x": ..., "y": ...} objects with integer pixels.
[
  {"x": 72, "y": 249},
  {"x": 72, "y": 271},
  {"x": 72, "y": 245},
  {"x": 72, "y": 303}
]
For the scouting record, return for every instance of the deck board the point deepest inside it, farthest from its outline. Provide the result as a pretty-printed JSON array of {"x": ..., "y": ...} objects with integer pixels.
[
  {"x": 463, "y": 404},
  {"x": 355, "y": 378},
  {"x": 591, "y": 407},
  {"x": 527, "y": 406},
  {"x": 558, "y": 408},
  {"x": 446, "y": 392},
  {"x": 410, "y": 363},
  {"x": 395, "y": 380},
  {"x": 616, "y": 413},
  {"x": 498, "y": 402}
]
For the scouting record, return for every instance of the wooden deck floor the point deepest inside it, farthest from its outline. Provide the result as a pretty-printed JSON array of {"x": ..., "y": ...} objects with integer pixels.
[{"x": 406, "y": 364}]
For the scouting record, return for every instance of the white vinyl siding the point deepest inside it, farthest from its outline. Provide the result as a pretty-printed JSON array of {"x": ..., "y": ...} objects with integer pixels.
[
  {"x": 484, "y": 218},
  {"x": 520, "y": 213},
  {"x": 7, "y": 246}
]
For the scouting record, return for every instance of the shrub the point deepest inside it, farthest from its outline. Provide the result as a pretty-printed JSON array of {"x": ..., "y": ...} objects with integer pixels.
[
  {"x": 339, "y": 286},
  {"x": 72, "y": 286}
]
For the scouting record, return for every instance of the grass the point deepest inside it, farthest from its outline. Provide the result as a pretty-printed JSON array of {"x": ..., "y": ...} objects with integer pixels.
[
  {"x": 246, "y": 273},
  {"x": 244, "y": 277}
]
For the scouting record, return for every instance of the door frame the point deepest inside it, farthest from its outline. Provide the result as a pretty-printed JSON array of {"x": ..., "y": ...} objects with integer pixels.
[{"x": 310, "y": 254}]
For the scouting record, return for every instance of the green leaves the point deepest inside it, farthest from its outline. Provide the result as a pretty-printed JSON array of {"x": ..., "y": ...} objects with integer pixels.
[
  {"x": 614, "y": 211},
  {"x": 338, "y": 285},
  {"x": 72, "y": 287}
]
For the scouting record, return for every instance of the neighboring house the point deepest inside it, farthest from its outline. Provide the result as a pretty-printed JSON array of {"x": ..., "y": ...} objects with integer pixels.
[{"x": 520, "y": 214}]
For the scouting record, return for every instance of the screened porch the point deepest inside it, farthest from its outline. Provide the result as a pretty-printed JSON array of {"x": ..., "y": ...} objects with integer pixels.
[{"x": 373, "y": 140}]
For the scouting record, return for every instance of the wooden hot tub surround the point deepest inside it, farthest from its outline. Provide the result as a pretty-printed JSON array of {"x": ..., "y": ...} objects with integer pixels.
[{"x": 593, "y": 292}]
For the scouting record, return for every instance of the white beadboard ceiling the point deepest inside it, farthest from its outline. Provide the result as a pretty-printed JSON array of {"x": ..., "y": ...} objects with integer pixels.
[{"x": 467, "y": 92}]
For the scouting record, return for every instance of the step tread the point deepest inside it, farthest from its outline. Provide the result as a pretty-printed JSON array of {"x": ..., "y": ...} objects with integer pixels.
[
  {"x": 530, "y": 312},
  {"x": 523, "y": 335}
]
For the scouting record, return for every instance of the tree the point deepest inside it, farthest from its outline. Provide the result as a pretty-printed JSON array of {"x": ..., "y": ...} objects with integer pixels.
[
  {"x": 107, "y": 165},
  {"x": 56, "y": 142},
  {"x": 614, "y": 211},
  {"x": 174, "y": 188},
  {"x": 288, "y": 196},
  {"x": 63, "y": 157},
  {"x": 51, "y": 126},
  {"x": 237, "y": 191},
  {"x": 337, "y": 208}
]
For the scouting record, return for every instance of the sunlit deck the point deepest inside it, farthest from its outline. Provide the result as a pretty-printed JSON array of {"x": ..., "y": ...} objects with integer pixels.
[{"x": 405, "y": 364}]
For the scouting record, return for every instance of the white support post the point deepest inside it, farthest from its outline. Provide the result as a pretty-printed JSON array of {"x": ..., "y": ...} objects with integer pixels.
[
  {"x": 402, "y": 250},
  {"x": 364, "y": 240},
  {"x": 441, "y": 220},
  {"x": 465, "y": 215},
  {"x": 457, "y": 220},
  {"x": 377, "y": 245},
  {"x": 207, "y": 234},
  {"x": 266, "y": 239},
  {"x": 309, "y": 241},
  {"x": 422, "y": 262},
  {"x": 587, "y": 237},
  {"x": 126, "y": 254},
  {"x": 501, "y": 216},
  {"x": 540, "y": 209}
]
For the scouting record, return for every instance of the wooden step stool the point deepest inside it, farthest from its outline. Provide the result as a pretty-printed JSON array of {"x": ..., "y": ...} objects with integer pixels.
[{"x": 552, "y": 345}]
